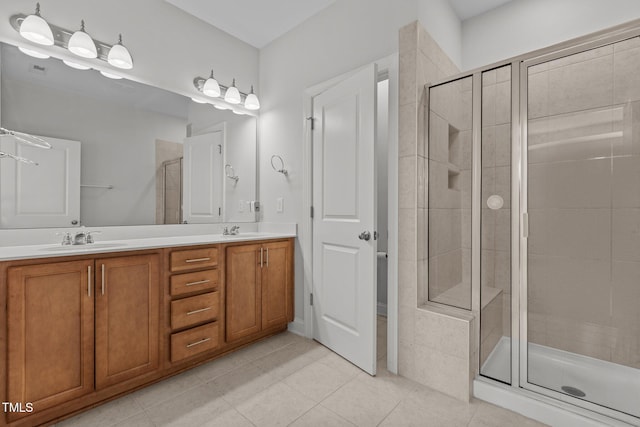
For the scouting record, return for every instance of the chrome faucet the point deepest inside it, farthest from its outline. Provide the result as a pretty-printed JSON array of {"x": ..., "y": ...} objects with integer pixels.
[
  {"x": 234, "y": 230},
  {"x": 80, "y": 239}
]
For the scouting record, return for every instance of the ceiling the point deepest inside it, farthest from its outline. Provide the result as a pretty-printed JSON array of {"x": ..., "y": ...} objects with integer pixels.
[{"x": 259, "y": 22}]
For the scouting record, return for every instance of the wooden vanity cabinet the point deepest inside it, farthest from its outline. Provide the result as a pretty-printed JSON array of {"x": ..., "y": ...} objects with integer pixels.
[
  {"x": 60, "y": 314},
  {"x": 127, "y": 305},
  {"x": 50, "y": 333},
  {"x": 259, "y": 285}
]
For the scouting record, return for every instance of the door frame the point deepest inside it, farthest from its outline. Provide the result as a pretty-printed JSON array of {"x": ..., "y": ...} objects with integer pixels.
[{"x": 388, "y": 68}]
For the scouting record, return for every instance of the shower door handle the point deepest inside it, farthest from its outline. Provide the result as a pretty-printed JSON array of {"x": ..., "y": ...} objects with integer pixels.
[{"x": 365, "y": 235}]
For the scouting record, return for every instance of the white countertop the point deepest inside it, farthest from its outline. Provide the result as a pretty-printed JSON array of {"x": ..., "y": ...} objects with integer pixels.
[{"x": 9, "y": 253}]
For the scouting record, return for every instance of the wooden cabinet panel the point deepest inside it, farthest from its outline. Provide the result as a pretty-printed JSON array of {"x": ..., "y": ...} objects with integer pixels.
[
  {"x": 192, "y": 259},
  {"x": 193, "y": 310},
  {"x": 187, "y": 283},
  {"x": 244, "y": 298},
  {"x": 195, "y": 341},
  {"x": 50, "y": 333},
  {"x": 277, "y": 284},
  {"x": 127, "y": 315}
]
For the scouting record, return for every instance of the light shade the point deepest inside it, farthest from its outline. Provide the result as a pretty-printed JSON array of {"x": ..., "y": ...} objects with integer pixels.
[
  {"x": 33, "y": 53},
  {"x": 232, "y": 96},
  {"x": 211, "y": 87},
  {"x": 34, "y": 28},
  {"x": 119, "y": 56},
  {"x": 82, "y": 44},
  {"x": 252, "y": 102},
  {"x": 75, "y": 65},
  {"x": 110, "y": 75}
]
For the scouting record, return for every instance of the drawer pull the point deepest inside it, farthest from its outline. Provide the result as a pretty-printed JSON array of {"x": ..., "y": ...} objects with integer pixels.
[
  {"x": 197, "y": 260},
  {"x": 199, "y": 282},
  {"x": 202, "y": 341},
  {"x": 198, "y": 311}
]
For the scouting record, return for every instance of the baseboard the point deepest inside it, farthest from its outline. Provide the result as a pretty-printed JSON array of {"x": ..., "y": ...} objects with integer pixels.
[{"x": 297, "y": 327}]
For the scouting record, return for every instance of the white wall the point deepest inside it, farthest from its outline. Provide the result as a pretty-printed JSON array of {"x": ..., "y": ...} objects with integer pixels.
[
  {"x": 345, "y": 36},
  {"x": 169, "y": 47},
  {"x": 444, "y": 26},
  {"x": 522, "y": 26}
]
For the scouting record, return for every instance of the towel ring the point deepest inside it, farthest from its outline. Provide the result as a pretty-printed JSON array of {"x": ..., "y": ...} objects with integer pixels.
[
  {"x": 229, "y": 172},
  {"x": 281, "y": 169}
]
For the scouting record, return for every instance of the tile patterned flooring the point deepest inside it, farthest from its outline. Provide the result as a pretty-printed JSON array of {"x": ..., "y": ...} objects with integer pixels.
[{"x": 288, "y": 380}]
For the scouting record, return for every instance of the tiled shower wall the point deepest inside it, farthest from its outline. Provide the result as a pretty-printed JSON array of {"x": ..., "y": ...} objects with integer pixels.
[
  {"x": 584, "y": 203},
  {"x": 434, "y": 346}
]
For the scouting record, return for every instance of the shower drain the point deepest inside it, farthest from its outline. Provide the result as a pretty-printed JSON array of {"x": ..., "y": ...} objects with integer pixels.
[{"x": 573, "y": 391}]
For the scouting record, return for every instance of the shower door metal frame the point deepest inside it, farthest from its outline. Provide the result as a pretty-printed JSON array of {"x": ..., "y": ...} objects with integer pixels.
[{"x": 520, "y": 178}]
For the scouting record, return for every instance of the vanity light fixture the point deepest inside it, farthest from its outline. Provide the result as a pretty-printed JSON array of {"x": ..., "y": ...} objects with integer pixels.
[
  {"x": 75, "y": 65},
  {"x": 252, "y": 102},
  {"x": 232, "y": 95},
  {"x": 35, "y": 29},
  {"x": 119, "y": 56},
  {"x": 33, "y": 53},
  {"x": 211, "y": 87},
  {"x": 82, "y": 44}
]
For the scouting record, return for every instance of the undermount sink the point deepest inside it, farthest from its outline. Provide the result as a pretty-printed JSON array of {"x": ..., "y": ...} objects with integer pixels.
[
  {"x": 89, "y": 246},
  {"x": 242, "y": 235}
]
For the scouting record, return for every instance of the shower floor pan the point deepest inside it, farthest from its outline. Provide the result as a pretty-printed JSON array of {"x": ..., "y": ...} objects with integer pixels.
[{"x": 605, "y": 383}]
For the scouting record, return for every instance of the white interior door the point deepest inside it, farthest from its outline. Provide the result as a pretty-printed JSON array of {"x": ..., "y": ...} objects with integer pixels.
[
  {"x": 46, "y": 195},
  {"x": 344, "y": 201},
  {"x": 202, "y": 180}
]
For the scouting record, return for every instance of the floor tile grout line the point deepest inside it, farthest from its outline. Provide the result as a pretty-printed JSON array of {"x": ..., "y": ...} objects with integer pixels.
[{"x": 389, "y": 413}]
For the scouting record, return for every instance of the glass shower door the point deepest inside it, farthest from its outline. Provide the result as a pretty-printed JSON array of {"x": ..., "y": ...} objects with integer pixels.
[{"x": 582, "y": 169}]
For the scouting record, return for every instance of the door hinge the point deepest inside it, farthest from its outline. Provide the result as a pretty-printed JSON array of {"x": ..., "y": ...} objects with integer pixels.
[
  {"x": 220, "y": 148},
  {"x": 310, "y": 299},
  {"x": 525, "y": 225},
  {"x": 313, "y": 122},
  {"x": 219, "y": 211},
  {"x": 311, "y": 211},
  {"x": 375, "y": 235}
]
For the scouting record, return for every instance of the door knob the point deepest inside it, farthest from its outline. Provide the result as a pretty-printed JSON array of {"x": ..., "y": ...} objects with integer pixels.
[{"x": 365, "y": 235}]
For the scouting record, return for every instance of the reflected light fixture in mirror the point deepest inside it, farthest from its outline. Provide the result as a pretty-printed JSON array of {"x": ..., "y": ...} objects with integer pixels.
[
  {"x": 33, "y": 53},
  {"x": 119, "y": 56},
  {"x": 82, "y": 44},
  {"x": 75, "y": 65},
  {"x": 199, "y": 101},
  {"x": 110, "y": 75},
  {"x": 35, "y": 29},
  {"x": 211, "y": 87},
  {"x": 232, "y": 96},
  {"x": 252, "y": 102}
]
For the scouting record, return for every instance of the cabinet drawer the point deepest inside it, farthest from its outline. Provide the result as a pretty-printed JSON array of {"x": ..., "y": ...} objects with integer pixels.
[
  {"x": 194, "y": 341},
  {"x": 194, "y": 310},
  {"x": 194, "y": 282},
  {"x": 193, "y": 259}
]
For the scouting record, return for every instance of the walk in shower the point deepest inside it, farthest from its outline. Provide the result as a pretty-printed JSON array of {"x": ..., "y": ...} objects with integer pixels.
[{"x": 534, "y": 218}]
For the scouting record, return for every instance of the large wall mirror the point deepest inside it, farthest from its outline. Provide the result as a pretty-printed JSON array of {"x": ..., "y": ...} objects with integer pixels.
[{"x": 124, "y": 152}]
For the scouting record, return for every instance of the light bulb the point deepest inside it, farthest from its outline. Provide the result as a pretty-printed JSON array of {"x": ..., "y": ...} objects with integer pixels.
[
  {"x": 75, "y": 65},
  {"x": 232, "y": 96},
  {"x": 82, "y": 44},
  {"x": 119, "y": 56},
  {"x": 252, "y": 102},
  {"x": 34, "y": 28},
  {"x": 211, "y": 87},
  {"x": 33, "y": 53}
]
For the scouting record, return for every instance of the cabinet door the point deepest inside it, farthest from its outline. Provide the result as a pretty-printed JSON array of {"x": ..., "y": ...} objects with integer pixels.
[
  {"x": 244, "y": 299},
  {"x": 127, "y": 316},
  {"x": 50, "y": 333},
  {"x": 277, "y": 301}
]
